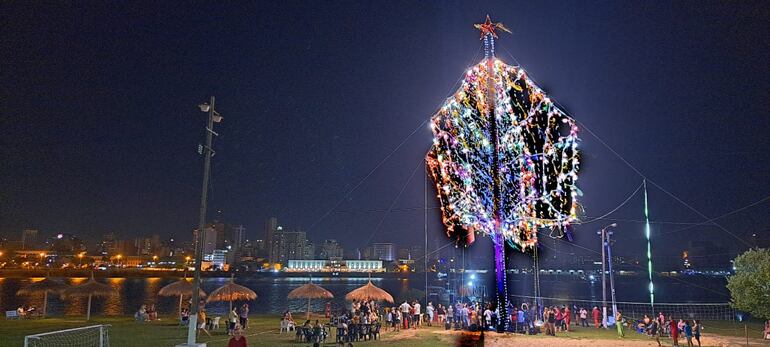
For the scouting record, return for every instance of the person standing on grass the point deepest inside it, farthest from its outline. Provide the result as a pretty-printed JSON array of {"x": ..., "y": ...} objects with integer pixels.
[
  {"x": 583, "y": 317},
  {"x": 417, "y": 320},
  {"x": 674, "y": 331},
  {"x": 429, "y": 311},
  {"x": 619, "y": 324},
  {"x": 567, "y": 317},
  {"x": 244, "y": 316},
  {"x": 595, "y": 313},
  {"x": 404, "y": 309},
  {"x": 655, "y": 331},
  {"x": 202, "y": 321},
  {"x": 688, "y": 333},
  {"x": 232, "y": 320},
  {"x": 696, "y": 331}
]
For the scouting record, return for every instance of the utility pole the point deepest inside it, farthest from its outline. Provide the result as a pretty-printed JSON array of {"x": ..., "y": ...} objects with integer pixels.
[
  {"x": 603, "y": 234},
  {"x": 200, "y": 235},
  {"x": 612, "y": 276}
]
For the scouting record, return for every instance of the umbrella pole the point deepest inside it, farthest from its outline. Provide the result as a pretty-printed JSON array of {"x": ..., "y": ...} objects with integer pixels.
[
  {"x": 231, "y": 307},
  {"x": 180, "y": 305},
  {"x": 308, "y": 308},
  {"x": 88, "y": 314},
  {"x": 45, "y": 303}
]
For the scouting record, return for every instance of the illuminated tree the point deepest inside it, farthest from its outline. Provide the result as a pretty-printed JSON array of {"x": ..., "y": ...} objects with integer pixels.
[{"x": 504, "y": 159}]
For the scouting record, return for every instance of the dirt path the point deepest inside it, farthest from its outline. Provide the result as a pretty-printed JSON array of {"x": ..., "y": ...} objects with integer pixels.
[{"x": 495, "y": 340}]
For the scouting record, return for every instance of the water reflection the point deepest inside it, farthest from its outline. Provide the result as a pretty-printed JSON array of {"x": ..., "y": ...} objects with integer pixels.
[{"x": 272, "y": 293}]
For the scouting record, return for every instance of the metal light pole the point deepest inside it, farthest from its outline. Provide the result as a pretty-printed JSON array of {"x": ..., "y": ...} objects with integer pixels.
[
  {"x": 603, "y": 234},
  {"x": 199, "y": 236},
  {"x": 612, "y": 276}
]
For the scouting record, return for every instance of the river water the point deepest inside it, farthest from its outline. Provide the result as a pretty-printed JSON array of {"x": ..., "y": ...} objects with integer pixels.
[{"x": 272, "y": 292}]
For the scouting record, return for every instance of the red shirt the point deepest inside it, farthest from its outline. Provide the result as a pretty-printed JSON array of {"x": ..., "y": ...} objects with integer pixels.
[
  {"x": 237, "y": 343},
  {"x": 596, "y": 314}
]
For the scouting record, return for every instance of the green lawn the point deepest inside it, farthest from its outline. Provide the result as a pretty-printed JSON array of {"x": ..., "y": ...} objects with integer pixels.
[
  {"x": 125, "y": 332},
  {"x": 263, "y": 331}
]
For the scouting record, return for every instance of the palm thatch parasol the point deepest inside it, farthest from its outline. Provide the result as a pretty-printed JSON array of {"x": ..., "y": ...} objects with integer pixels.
[
  {"x": 310, "y": 291},
  {"x": 44, "y": 286},
  {"x": 89, "y": 289},
  {"x": 368, "y": 292},
  {"x": 231, "y": 292},
  {"x": 182, "y": 287}
]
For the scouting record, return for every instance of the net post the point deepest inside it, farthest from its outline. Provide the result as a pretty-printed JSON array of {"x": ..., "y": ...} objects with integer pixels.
[{"x": 101, "y": 336}]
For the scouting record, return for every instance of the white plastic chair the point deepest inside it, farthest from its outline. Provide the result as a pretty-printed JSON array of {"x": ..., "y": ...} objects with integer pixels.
[
  {"x": 215, "y": 323},
  {"x": 284, "y": 326}
]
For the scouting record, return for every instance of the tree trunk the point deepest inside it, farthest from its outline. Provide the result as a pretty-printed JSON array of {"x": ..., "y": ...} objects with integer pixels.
[{"x": 88, "y": 313}]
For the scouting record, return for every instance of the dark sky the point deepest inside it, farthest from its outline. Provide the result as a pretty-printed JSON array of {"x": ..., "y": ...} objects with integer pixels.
[{"x": 100, "y": 129}]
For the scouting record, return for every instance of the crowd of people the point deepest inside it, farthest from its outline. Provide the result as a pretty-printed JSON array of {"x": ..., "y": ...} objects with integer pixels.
[{"x": 364, "y": 320}]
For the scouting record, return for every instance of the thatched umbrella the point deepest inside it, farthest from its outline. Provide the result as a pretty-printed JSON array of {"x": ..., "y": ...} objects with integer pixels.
[
  {"x": 369, "y": 292},
  {"x": 231, "y": 292},
  {"x": 89, "y": 289},
  {"x": 44, "y": 286},
  {"x": 310, "y": 291},
  {"x": 182, "y": 287}
]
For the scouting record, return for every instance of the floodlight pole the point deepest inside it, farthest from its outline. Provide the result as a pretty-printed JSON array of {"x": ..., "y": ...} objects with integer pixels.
[
  {"x": 603, "y": 234},
  {"x": 199, "y": 236}
]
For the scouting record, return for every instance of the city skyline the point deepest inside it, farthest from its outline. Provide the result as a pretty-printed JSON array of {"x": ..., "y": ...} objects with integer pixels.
[{"x": 107, "y": 142}]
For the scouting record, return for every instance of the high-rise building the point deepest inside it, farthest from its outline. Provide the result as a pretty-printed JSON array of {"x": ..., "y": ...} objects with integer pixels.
[
  {"x": 29, "y": 239},
  {"x": 309, "y": 250},
  {"x": 271, "y": 227},
  {"x": 383, "y": 251},
  {"x": 209, "y": 239},
  {"x": 239, "y": 237},
  {"x": 330, "y": 248},
  {"x": 288, "y": 245}
]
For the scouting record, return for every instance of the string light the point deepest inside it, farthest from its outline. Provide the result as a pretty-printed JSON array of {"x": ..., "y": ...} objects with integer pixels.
[{"x": 537, "y": 158}]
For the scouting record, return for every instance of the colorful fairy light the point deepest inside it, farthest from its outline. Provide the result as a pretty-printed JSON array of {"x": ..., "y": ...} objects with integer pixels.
[
  {"x": 536, "y": 158},
  {"x": 504, "y": 160}
]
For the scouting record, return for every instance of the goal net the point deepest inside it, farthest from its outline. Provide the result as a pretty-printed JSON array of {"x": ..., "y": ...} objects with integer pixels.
[
  {"x": 91, "y": 336},
  {"x": 637, "y": 310}
]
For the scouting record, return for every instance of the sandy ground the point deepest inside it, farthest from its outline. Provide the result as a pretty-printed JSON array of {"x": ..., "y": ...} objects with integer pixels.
[{"x": 495, "y": 340}]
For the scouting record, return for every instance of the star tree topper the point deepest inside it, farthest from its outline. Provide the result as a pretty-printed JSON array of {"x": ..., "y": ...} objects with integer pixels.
[{"x": 488, "y": 28}]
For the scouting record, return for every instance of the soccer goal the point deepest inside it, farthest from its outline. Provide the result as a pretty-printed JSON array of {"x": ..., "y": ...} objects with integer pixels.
[{"x": 91, "y": 336}]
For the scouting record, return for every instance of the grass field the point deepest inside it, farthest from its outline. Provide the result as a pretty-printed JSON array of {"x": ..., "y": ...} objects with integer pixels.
[{"x": 263, "y": 331}]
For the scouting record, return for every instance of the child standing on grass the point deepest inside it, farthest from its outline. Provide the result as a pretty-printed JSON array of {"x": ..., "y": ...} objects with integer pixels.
[{"x": 619, "y": 324}]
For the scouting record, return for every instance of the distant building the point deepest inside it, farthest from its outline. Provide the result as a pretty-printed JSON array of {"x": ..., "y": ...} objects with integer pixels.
[
  {"x": 309, "y": 250},
  {"x": 288, "y": 245},
  {"x": 107, "y": 246},
  {"x": 271, "y": 227},
  {"x": 330, "y": 248},
  {"x": 334, "y": 265},
  {"x": 209, "y": 239},
  {"x": 383, "y": 251},
  {"x": 239, "y": 237},
  {"x": 29, "y": 239}
]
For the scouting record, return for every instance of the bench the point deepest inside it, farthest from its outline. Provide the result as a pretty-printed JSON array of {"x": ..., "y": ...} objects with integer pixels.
[{"x": 12, "y": 315}]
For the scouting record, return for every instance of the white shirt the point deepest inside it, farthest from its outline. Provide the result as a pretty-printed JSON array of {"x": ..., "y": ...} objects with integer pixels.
[
  {"x": 429, "y": 310},
  {"x": 405, "y": 307},
  {"x": 417, "y": 308}
]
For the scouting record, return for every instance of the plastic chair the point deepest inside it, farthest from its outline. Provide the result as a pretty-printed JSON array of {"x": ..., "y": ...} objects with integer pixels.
[{"x": 215, "y": 323}]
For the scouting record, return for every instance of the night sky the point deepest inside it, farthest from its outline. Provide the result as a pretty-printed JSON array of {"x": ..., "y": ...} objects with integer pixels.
[{"x": 100, "y": 126}]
